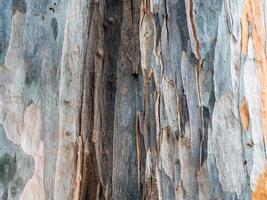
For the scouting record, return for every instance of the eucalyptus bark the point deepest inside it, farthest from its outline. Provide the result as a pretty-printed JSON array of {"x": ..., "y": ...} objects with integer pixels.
[{"x": 133, "y": 99}]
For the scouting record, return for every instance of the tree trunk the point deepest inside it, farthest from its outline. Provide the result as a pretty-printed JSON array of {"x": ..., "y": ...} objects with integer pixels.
[{"x": 133, "y": 99}]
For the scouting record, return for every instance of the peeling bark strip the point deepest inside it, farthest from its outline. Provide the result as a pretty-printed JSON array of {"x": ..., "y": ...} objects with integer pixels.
[
  {"x": 137, "y": 99},
  {"x": 70, "y": 96}
]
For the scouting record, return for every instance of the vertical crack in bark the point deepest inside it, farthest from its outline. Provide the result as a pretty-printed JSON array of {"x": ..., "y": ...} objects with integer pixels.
[
  {"x": 158, "y": 120},
  {"x": 179, "y": 113},
  {"x": 200, "y": 102},
  {"x": 192, "y": 20},
  {"x": 138, "y": 148},
  {"x": 167, "y": 20},
  {"x": 132, "y": 12}
]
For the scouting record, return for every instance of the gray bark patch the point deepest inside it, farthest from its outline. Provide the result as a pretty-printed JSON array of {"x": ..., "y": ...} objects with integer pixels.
[
  {"x": 33, "y": 74},
  {"x": 19, "y": 5},
  {"x": 16, "y": 168},
  {"x": 54, "y": 25},
  {"x": 5, "y": 27},
  {"x": 8, "y": 168},
  {"x": 225, "y": 144}
]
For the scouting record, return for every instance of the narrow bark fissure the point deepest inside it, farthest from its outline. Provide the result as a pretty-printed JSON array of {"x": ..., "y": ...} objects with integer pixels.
[
  {"x": 167, "y": 20},
  {"x": 132, "y": 12},
  {"x": 201, "y": 107},
  {"x": 193, "y": 26},
  {"x": 138, "y": 148}
]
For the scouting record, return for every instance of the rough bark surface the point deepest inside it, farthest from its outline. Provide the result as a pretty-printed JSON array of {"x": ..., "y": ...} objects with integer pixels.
[{"x": 133, "y": 99}]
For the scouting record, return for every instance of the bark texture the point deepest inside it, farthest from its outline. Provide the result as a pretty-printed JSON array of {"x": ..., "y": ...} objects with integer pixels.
[{"x": 133, "y": 99}]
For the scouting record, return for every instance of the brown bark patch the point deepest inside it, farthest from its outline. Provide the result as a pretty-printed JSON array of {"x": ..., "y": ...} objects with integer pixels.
[{"x": 244, "y": 114}]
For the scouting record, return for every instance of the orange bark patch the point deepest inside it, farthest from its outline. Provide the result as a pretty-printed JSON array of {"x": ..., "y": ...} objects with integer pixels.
[
  {"x": 244, "y": 114},
  {"x": 253, "y": 15},
  {"x": 261, "y": 190}
]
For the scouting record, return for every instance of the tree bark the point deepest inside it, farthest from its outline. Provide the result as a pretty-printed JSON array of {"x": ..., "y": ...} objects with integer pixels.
[{"x": 133, "y": 99}]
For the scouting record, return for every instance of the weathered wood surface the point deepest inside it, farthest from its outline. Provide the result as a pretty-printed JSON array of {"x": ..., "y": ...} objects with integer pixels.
[{"x": 133, "y": 99}]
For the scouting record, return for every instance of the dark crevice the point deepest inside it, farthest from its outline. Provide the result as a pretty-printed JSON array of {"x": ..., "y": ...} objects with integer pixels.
[
  {"x": 182, "y": 23},
  {"x": 204, "y": 138},
  {"x": 184, "y": 113},
  {"x": 132, "y": 12},
  {"x": 101, "y": 77},
  {"x": 167, "y": 20}
]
